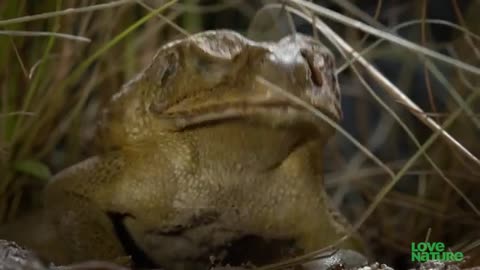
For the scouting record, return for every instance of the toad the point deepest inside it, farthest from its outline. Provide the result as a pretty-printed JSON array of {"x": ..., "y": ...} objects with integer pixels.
[{"x": 201, "y": 163}]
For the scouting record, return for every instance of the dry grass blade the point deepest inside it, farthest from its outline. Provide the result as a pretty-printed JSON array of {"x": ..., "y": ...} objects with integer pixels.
[
  {"x": 21, "y": 62},
  {"x": 163, "y": 18},
  {"x": 65, "y": 12},
  {"x": 359, "y": 13},
  {"x": 216, "y": 7},
  {"x": 44, "y": 34},
  {"x": 454, "y": 94},
  {"x": 461, "y": 19},
  {"x": 16, "y": 113}
]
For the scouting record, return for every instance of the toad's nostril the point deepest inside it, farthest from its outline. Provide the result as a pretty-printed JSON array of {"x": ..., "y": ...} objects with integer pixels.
[{"x": 315, "y": 73}]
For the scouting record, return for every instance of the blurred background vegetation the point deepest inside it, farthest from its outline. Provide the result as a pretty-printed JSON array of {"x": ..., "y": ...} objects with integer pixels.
[{"x": 52, "y": 88}]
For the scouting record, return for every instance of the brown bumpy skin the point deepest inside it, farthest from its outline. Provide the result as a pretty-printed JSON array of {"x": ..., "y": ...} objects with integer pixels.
[{"x": 201, "y": 161}]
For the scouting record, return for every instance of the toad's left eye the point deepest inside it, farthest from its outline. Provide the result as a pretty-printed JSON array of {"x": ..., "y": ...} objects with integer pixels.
[
  {"x": 163, "y": 68},
  {"x": 169, "y": 69},
  {"x": 315, "y": 68}
]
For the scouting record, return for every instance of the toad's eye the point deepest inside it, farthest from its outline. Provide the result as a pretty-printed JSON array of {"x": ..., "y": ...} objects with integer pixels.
[
  {"x": 315, "y": 64},
  {"x": 170, "y": 68},
  {"x": 163, "y": 68},
  {"x": 167, "y": 74}
]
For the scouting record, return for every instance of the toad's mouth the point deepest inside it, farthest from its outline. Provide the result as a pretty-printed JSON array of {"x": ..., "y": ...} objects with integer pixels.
[{"x": 272, "y": 112}]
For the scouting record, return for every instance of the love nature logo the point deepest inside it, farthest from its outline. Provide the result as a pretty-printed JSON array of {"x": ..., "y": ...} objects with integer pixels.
[{"x": 434, "y": 251}]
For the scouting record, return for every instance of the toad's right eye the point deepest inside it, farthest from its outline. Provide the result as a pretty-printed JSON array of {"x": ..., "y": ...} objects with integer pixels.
[
  {"x": 315, "y": 72},
  {"x": 169, "y": 69},
  {"x": 163, "y": 68}
]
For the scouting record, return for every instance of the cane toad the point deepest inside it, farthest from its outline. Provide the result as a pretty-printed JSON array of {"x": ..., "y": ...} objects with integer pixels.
[{"x": 201, "y": 162}]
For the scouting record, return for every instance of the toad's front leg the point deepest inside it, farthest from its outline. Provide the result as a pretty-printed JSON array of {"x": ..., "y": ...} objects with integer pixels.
[
  {"x": 69, "y": 228},
  {"x": 83, "y": 228}
]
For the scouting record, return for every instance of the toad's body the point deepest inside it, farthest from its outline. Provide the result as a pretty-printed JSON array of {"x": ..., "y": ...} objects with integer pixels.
[{"x": 199, "y": 157}]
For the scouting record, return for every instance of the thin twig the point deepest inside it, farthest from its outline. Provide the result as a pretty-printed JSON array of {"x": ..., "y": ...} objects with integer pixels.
[
  {"x": 67, "y": 11},
  {"x": 16, "y": 113},
  {"x": 164, "y": 18},
  {"x": 43, "y": 34},
  {"x": 19, "y": 58}
]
